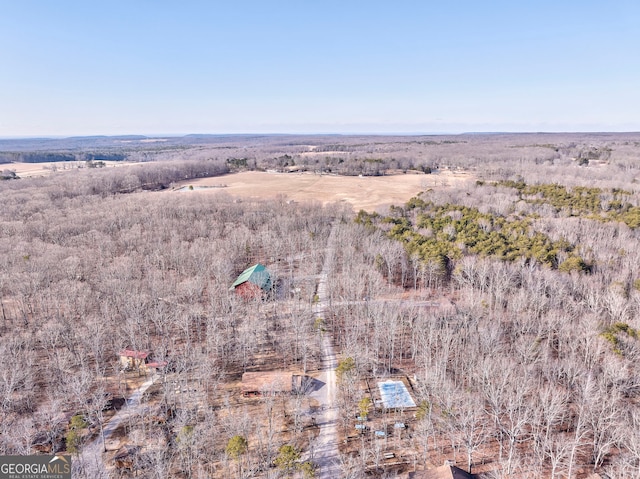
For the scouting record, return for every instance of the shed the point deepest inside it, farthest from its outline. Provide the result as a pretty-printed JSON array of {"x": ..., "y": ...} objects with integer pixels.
[
  {"x": 252, "y": 282},
  {"x": 276, "y": 382},
  {"x": 442, "y": 472}
]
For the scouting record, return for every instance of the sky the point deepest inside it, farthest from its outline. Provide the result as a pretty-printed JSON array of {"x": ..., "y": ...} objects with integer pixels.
[{"x": 159, "y": 67}]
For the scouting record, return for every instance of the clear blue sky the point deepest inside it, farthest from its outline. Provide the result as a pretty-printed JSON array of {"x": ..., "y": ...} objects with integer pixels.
[{"x": 312, "y": 66}]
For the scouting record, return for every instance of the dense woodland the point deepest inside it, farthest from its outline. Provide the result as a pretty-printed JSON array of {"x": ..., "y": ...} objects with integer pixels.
[{"x": 527, "y": 369}]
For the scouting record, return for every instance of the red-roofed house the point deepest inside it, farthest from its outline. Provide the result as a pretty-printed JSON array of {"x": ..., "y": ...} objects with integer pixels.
[{"x": 133, "y": 360}]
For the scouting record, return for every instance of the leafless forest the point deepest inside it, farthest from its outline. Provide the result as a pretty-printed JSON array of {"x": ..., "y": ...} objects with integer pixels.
[{"x": 511, "y": 304}]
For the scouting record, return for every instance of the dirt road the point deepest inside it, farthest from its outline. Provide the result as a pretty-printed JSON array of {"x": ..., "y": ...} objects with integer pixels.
[{"x": 324, "y": 451}]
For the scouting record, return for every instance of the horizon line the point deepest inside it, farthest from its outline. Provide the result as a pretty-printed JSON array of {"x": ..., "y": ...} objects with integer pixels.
[{"x": 326, "y": 133}]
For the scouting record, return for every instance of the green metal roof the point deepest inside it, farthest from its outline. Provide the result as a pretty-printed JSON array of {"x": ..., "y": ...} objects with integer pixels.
[{"x": 256, "y": 274}]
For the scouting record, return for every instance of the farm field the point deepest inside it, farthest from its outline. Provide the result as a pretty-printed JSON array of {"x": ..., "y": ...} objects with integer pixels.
[
  {"x": 30, "y": 170},
  {"x": 367, "y": 192}
]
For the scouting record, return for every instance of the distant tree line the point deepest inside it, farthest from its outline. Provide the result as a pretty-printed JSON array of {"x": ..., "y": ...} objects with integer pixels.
[
  {"x": 49, "y": 156},
  {"x": 127, "y": 179}
]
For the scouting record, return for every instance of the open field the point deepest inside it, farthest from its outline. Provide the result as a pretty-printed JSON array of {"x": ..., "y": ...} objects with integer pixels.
[
  {"x": 368, "y": 193},
  {"x": 30, "y": 170}
]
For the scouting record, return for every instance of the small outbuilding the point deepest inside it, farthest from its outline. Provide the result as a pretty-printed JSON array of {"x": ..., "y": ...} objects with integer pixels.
[
  {"x": 271, "y": 382},
  {"x": 253, "y": 282},
  {"x": 442, "y": 472},
  {"x": 139, "y": 361}
]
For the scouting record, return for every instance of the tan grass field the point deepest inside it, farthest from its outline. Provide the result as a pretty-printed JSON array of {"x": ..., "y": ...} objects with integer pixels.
[
  {"x": 369, "y": 193},
  {"x": 30, "y": 170}
]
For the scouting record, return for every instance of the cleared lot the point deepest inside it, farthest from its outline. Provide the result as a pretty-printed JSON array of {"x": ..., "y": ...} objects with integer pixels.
[
  {"x": 368, "y": 193},
  {"x": 27, "y": 170}
]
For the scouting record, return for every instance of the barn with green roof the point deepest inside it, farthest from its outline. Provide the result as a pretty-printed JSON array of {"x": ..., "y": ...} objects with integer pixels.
[{"x": 252, "y": 282}]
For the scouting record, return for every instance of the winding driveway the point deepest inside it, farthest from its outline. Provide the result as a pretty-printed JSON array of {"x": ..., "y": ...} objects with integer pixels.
[{"x": 90, "y": 462}]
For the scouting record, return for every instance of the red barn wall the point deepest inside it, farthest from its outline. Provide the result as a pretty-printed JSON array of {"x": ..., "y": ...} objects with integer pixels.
[{"x": 248, "y": 290}]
